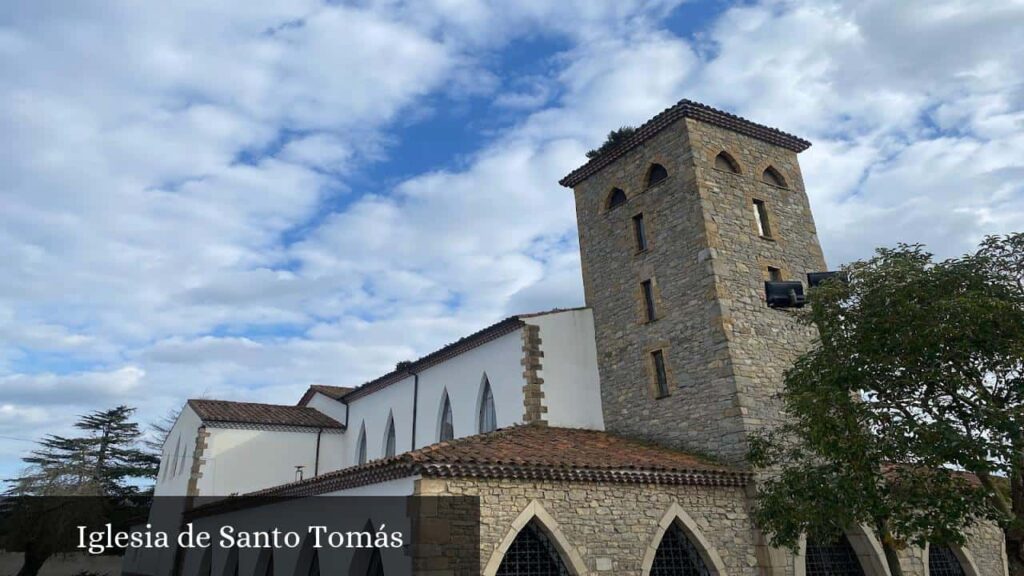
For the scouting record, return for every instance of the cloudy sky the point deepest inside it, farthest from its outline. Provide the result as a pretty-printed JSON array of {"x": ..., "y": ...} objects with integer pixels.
[{"x": 235, "y": 199}]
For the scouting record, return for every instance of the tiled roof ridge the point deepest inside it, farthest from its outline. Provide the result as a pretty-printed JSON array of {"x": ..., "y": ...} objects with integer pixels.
[
  {"x": 240, "y": 402},
  {"x": 333, "y": 392},
  {"x": 478, "y": 338},
  {"x": 420, "y": 462},
  {"x": 281, "y": 414},
  {"x": 686, "y": 109},
  {"x": 447, "y": 351}
]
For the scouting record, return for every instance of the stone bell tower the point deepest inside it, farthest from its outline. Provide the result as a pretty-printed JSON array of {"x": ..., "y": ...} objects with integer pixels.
[{"x": 679, "y": 228}]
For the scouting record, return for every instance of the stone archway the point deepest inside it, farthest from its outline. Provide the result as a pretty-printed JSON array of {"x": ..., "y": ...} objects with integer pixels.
[
  {"x": 865, "y": 545},
  {"x": 676, "y": 515},
  {"x": 535, "y": 512},
  {"x": 963, "y": 556}
]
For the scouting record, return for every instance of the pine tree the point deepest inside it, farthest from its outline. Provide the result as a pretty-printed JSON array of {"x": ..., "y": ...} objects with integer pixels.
[{"x": 105, "y": 463}]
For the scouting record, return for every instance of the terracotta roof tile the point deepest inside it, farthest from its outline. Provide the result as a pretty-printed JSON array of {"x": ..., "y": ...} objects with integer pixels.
[
  {"x": 335, "y": 392},
  {"x": 686, "y": 109},
  {"x": 531, "y": 452},
  {"x": 223, "y": 411}
]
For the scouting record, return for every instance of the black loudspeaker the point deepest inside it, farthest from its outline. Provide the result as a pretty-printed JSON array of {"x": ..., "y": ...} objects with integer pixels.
[
  {"x": 815, "y": 278},
  {"x": 789, "y": 294}
]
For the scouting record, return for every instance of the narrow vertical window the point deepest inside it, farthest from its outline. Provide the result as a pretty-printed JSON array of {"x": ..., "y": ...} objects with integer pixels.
[
  {"x": 660, "y": 375},
  {"x": 174, "y": 461},
  {"x": 639, "y": 233},
  {"x": 761, "y": 217},
  {"x": 774, "y": 274},
  {"x": 361, "y": 450},
  {"x": 648, "y": 290},
  {"x": 389, "y": 438},
  {"x": 447, "y": 426},
  {"x": 488, "y": 419}
]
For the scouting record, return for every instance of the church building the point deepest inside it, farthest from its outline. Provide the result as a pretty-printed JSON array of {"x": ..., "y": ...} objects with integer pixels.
[{"x": 608, "y": 439}]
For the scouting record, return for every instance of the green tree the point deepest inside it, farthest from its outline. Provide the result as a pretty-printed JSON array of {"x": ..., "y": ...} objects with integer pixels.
[
  {"x": 918, "y": 374},
  {"x": 158, "y": 432},
  {"x": 50, "y": 496},
  {"x": 614, "y": 140}
]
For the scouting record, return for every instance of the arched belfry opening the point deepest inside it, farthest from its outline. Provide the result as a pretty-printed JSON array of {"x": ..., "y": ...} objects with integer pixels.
[
  {"x": 836, "y": 558},
  {"x": 724, "y": 161},
  {"x": 532, "y": 554},
  {"x": 655, "y": 174},
  {"x": 773, "y": 177},
  {"x": 616, "y": 198},
  {"x": 677, "y": 555}
]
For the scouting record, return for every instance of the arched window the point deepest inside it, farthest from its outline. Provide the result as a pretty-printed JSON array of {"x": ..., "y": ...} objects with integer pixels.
[
  {"x": 726, "y": 162},
  {"x": 361, "y": 447},
  {"x": 616, "y": 198},
  {"x": 942, "y": 561},
  {"x": 389, "y": 437},
  {"x": 375, "y": 567},
  {"x": 447, "y": 428},
  {"x": 174, "y": 461},
  {"x": 656, "y": 173},
  {"x": 366, "y": 561},
  {"x": 231, "y": 566},
  {"x": 677, "y": 556},
  {"x": 206, "y": 563},
  {"x": 831, "y": 559},
  {"x": 487, "y": 418},
  {"x": 772, "y": 176},
  {"x": 314, "y": 565},
  {"x": 265, "y": 563},
  {"x": 532, "y": 554}
]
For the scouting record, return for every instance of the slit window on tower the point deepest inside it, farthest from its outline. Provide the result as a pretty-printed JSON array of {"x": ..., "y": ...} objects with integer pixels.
[
  {"x": 639, "y": 233},
  {"x": 648, "y": 289},
  {"x": 660, "y": 374},
  {"x": 761, "y": 217},
  {"x": 774, "y": 274}
]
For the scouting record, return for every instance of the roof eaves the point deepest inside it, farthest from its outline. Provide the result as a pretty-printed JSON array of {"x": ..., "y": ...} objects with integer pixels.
[
  {"x": 686, "y": 109},
  {"x": 479, "y": 338}
]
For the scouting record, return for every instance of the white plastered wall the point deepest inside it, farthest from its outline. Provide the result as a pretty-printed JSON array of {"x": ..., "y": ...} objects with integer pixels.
[
  {"x": 238, "y": 461},
  {"x": 572, "y": 387},
  {"x": 176, "y": 459}
]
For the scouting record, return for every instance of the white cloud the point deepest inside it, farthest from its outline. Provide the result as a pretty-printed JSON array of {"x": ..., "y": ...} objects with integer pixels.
[{"x": 162, "y": 155}]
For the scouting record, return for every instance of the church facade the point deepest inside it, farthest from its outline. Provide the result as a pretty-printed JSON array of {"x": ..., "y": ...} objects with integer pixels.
[{"x": 608, "y": 439}]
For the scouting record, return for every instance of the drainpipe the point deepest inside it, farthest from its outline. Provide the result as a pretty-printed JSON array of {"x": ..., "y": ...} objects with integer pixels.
[
  {"x": 415, "y": 402},
  {"x": 316, "y": 462}
]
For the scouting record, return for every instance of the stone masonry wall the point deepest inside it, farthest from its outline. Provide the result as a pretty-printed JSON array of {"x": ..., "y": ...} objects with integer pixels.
[
  {"x": 610, "y": 528},
  {"x": 725, "y": 350},
  {"x": 702, "y": 395},
  {"x": 763, "y": 343}
]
